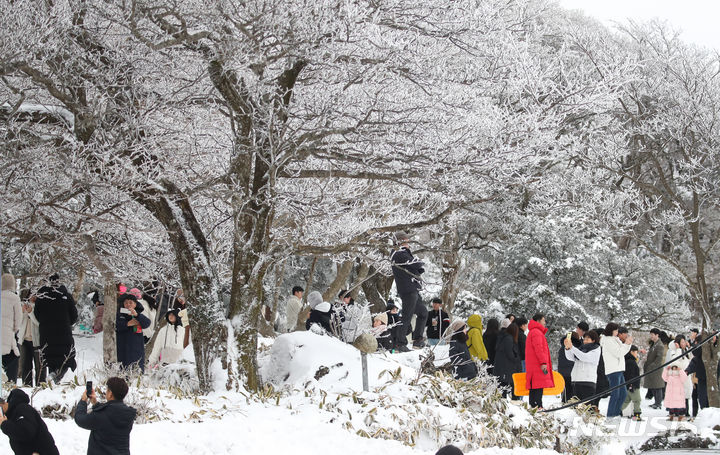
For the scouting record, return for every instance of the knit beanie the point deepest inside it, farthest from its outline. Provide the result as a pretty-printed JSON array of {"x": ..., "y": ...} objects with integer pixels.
[{"x": 314, "y": 299}]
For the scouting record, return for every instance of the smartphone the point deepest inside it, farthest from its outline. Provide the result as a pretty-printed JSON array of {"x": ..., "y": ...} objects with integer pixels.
[
  {"x": 569, "y": 335},
  {"x": 125, "y": 311},
  {"x": 89, "y": 388}
]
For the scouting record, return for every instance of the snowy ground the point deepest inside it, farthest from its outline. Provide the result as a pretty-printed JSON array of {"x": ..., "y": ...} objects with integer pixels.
[{"x": 310, "y": 414}]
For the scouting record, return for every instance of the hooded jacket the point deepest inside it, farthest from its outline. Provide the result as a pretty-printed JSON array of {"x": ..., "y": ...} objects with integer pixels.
[
  {"x": 320, "y": 315},
  {"x": 130, "y": 341},
  {"x": 586, "y": 359},
  {"x": 537, "y": 353},
  {"x": 109, "y": 424},
  {"x": 56, "y": 313},
  {"x": 463, "y": 365},
  {"x": 168, "y": 347},
  {"x": 27, "y": 432},
  {"x": 475, "y": 343},
  {"x": 675, "y": 390}
]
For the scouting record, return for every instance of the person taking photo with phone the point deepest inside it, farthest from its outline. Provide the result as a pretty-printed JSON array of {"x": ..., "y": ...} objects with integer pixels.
[{"x": 110, "y": 423}]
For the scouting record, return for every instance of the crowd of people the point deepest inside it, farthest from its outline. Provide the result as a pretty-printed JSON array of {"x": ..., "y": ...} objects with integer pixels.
[
  {"x": 590, "y": 361},
  {"x": 37, "y": 329}
]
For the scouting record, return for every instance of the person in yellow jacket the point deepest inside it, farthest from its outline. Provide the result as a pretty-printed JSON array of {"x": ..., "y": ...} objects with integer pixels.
[{"x": 475, "y": 339}]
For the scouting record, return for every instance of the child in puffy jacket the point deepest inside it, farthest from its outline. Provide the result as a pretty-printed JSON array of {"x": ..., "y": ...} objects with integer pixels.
[{"x": 675, "y": 391}]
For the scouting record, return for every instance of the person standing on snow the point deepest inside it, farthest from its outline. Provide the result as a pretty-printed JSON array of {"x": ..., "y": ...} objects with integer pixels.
[
  {"x": 437, "y": 322},
  {"x": 56, "y": 313},
  {"x": 407, "y": 272},
  {"x": 613, "y": 352},
  {"x": 475, "y": 342},
  {"x": 11, "y": 318},
  {"x": 537, "y": 361},
  {"x": 292, "y": 309},
  {"x": 129, "y": 327},
  {"x": 168, "y": 346}
]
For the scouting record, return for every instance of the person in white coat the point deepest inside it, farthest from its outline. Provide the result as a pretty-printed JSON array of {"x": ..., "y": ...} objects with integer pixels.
[
  {"x": 292, "y": 309},
  {"x": 29, "y": 341},
  {"x": 613, "y": 352},
  {"x": 168, "y": 346},
  {"x": 11, "y": 316},
  {"x": 586, "y": 358}
]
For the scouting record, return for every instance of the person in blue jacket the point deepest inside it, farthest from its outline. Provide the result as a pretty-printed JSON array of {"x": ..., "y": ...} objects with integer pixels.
[{"x": 129, "y": 325}]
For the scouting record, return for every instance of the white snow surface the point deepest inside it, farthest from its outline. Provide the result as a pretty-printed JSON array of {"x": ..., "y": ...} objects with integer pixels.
[{"x": 291, "y": 422}]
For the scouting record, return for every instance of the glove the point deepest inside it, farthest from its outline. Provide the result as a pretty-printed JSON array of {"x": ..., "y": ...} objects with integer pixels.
[
  {"x": 184, "y": 320},
  {"x": 544, "y": 369}
]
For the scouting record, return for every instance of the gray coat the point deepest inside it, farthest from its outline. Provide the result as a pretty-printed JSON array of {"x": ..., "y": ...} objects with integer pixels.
[{"x": 654, "y": 359}]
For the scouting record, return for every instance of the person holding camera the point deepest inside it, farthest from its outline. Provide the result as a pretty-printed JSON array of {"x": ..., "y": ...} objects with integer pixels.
[
  {"x": 129, "y": 327},
  {"x": 109, "y": 423},
  {"x": 24, "y": 427}
]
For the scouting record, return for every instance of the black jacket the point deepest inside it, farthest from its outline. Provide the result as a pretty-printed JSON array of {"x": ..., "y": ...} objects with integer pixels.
[
  {"x": 130, "y": 342},
  {"x": 490, "y": 342},
  {"x": 632, "y": 371},
  {"x": 463, "y": 365},
  {"x": 27, "y": 432},
  {"x": 406, "y": 270},
  {"x": 443, "y": 321},
  {"x": 109, "y": 424},
  {"x": 507, "y": 358},
  {"x": 319, "y": 317},
  {"x": 56, "y": 312},
  {"x": 521, "y": 344},
  {"x": 697, "y": 366},
  {"x": 565, "y": 366}
]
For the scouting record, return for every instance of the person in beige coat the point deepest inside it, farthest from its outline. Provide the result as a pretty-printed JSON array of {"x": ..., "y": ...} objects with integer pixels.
[{"x": 11, "y": 316}]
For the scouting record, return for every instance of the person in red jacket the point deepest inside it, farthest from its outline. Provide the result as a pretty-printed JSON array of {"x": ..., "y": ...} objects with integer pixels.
[{"x": 538, "y": 364}]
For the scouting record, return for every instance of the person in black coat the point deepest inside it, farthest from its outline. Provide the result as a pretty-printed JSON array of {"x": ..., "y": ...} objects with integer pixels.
[
  {"x": 463, "y": 365},
  {"x": 699, "y": 396},
  {"x": 109, "y": 423},
  {"x": 128, "y": 325},
  {"x": 632, "y": 377},
  {"x": 394, "y": 324},
  {"x": 22, "y": 423},
  {"x": 507, "y": 358},
  {"x": 407, "y": 272},
  {"x": 321, "y": 315},
  {"x": 490, "y": 337},
  {"x": 56, "y": 313},
  {"x": 522, "y": 323}
]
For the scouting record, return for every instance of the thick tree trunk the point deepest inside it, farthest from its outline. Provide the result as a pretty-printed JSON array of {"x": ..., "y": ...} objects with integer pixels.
[
  {"x": 199, "y": 282},
  {"x": 376, "y": 289},
  {"x": 77, "y": 291},
  {"x": 710, "y": 353},
  {"x": 362, "y": 273},
  {"x": 703, "y": 307},
  {"x": 108, "y": 321},
  {"x": 450, "y": 269},
  {"x": 340, "y": 281}
]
